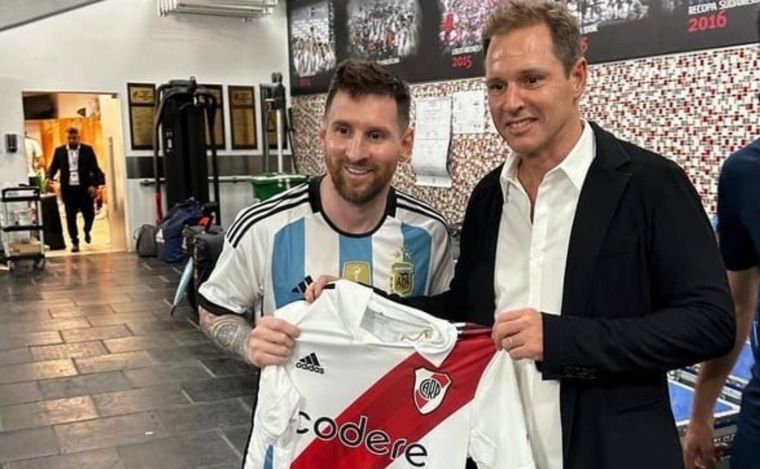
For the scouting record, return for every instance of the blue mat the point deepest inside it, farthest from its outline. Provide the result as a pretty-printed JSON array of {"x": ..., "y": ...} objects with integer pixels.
[
  {"x": 743, "y": 366},
  {"x": 681, "y": 398}
]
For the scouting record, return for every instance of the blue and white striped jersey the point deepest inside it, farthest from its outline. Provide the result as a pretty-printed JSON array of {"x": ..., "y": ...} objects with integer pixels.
[{"x": 272, "y": 246}]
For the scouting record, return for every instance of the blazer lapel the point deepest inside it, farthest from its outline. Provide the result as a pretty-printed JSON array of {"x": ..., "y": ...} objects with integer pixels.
[{"x": 598, "y": 200}]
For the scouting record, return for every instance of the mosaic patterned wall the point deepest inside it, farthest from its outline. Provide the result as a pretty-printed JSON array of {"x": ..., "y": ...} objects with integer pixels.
[{"x": 695, "y": 108}]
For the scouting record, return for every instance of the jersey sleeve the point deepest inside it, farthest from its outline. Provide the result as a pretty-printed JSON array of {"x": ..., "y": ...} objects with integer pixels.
[
  {"x": 498, "y": 433},
  {"x": 275, "y": 421},
  {"x": 442, "y": 262},
  {"x": 235, "y": 284}
]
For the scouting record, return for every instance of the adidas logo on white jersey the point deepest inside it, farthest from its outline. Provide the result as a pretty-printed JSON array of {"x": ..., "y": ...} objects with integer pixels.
[{"x": 310, "y": 363}]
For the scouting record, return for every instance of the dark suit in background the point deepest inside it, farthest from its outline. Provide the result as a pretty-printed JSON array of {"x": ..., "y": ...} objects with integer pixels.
[
  {"x": 644, "y": 292},
  {"x": 77, "y": 198}
]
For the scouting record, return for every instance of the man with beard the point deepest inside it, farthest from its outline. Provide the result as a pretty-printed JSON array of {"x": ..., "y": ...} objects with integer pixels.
[{"x": 349, "y": 222}]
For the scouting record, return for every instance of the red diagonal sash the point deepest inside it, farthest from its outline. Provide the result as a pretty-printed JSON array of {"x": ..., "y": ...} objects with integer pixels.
[{"x": 389, "y": 406}]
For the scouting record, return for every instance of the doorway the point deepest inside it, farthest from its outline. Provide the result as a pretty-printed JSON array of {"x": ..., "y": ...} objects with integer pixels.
[{"x": 97, "y": 116}]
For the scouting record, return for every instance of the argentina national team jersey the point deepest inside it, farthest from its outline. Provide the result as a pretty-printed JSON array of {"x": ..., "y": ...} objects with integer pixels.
[{"x": 272, "y": 246}]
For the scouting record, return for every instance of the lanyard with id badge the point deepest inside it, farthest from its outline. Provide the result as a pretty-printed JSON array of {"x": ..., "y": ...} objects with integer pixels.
[{"x": 74, "y": 167}]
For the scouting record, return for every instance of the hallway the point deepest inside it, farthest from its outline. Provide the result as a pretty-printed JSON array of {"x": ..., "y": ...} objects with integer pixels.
[{"x": 94, "y": 373}]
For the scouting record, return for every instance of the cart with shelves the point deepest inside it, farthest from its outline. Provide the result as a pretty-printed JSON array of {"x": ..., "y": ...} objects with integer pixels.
[{"x": 22, "y": 232}]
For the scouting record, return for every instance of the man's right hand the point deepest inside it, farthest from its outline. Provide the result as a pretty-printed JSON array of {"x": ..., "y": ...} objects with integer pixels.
[
  {"x": 271, "y": 342},
  {"x": 698, "y": 445}
]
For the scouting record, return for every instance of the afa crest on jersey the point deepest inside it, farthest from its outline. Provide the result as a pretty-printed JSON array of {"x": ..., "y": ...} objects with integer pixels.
[
  {"x": 402, "y": 273},
  {"x": 430, "y": 389}
]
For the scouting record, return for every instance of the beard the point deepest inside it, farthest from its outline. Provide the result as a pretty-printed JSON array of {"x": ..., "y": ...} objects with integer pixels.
[{"x": 358, "y": 195}]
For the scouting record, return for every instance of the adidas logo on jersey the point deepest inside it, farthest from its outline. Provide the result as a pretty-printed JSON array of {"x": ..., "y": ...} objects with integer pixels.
[{"x": 310, "y": 363}]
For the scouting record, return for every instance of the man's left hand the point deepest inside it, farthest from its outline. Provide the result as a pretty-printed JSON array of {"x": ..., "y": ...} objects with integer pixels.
[
  {"x": 92, "y": 190},
  {"x": 521, "y": 333}
]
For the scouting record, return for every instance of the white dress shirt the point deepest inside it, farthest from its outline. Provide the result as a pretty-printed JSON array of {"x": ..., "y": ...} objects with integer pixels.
[
  {"x": 530, "y": 271},
  {"x": 73, "y": 166}
]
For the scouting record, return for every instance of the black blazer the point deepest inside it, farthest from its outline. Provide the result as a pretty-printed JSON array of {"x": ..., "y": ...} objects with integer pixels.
[
  {"x": 645, "y": 292},
  {"x": 89, "y": 171}
]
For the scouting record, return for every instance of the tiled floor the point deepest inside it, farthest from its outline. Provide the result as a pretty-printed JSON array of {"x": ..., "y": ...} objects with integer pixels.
[{"x": 94, "y": 373}]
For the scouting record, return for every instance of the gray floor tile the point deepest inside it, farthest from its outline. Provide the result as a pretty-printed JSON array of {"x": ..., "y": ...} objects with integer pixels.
[
  {"x": 190, "y": 337},
  {"x": 19, "y": 393},
  {"x": 36, "y": 370},
  {"x": 152, "y": 295},
  {"x": 16, "y": 355},
  {"x": 9, "y": 340},
  {"x": 140, "y": 381},
  {"x": 140, "y": 305},
  {"x": 187, "y": 352},
  {"x": 168, "y": 373},
  {"x": 83, "y": 385},
  {"x": 98, "y": 459},
  {"x": 114, "y": 361},
  {"x": 206, "y": 448},
  {"x": 52, "y": 325},
  {"x": 223, "y": 367},
  {"x": 95, "y": 333},
  {"x": 108, "y": 432},
  {"x": 44, "y": 413},
  {"x": 75, "y": 350},
  {"x": 8, "y": 316},
  {"x": 80, "y": 311},
  {"x": 27, "y": 444},
  {"x": 153, "y": 327},
  {"x": 205, "y": 416},
  {"x": 220, "y": 388},
  {"x": 163, "y": 454},
  {"x": 238, "y": 436},
  {"x": 102, "y": 300},
  {"x": 143, "y": 342},
  {"x": 122, "y": 318},
  {"x": 138, "y": 400}
]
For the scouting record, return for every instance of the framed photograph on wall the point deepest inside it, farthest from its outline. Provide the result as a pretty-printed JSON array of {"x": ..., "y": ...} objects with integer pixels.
[
  {"x": 218, "y": 92},
  {"x": 243, "y": 117},
  {"x": 142, "y": 111}
]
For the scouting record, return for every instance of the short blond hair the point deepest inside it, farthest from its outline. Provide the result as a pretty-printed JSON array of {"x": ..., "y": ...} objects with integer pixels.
[{"x": 512, "y": 15}]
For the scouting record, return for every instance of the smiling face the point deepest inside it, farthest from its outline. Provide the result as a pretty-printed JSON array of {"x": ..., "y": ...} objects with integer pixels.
[
  {"x": 363, "y": 143},
  {"x": 533, "y": 100}
]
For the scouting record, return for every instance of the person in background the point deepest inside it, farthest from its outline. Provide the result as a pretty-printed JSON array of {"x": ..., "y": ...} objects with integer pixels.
[
  {"x": 33, "y": 154},
  {"x": 80, "y": 178},
  {"x": 739, "y": 239}
]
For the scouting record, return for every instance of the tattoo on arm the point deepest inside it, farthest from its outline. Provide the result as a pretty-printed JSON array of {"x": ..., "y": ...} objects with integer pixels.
[{"x": 230, "y": 333}]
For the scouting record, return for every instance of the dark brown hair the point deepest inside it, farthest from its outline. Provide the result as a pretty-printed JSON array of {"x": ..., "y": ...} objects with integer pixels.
[{"x": 360, "y": 78}]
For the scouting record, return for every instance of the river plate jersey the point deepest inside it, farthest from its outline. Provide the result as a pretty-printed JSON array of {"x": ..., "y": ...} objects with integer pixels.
[
  {"x": 373, "y": 384},
  {"x": 272, "y": 246}
]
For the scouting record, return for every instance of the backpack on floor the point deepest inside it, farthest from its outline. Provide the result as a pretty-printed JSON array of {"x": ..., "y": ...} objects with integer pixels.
[
  {"x": 169, "y": 236},
  {"x": 145, "y": 244}
]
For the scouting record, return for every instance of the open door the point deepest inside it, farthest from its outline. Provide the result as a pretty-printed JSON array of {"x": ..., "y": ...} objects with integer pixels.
[{"x": 113, "y": 142}]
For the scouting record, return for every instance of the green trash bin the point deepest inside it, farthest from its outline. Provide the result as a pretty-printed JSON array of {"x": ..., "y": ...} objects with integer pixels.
[{"x": 268, "y": 184}]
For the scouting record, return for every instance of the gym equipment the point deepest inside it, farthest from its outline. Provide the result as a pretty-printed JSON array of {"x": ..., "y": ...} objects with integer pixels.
[{"x": 186, "y": 111}]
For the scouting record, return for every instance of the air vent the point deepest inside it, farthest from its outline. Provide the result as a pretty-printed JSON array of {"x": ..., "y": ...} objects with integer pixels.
[{"x": 245, "y": 9}]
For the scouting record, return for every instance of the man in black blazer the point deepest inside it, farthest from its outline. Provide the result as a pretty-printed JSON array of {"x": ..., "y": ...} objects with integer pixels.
[
  {"x": 80, "y": 178},
  {"x": 592, "y": 258}
]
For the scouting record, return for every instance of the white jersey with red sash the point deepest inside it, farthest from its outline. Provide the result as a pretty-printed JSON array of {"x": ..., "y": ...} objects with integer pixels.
[{"x": 373, "y": 384}]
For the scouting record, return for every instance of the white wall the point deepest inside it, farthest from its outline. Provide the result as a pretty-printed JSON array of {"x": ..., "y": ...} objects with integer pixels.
[{"x": 103, "y": 46}]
